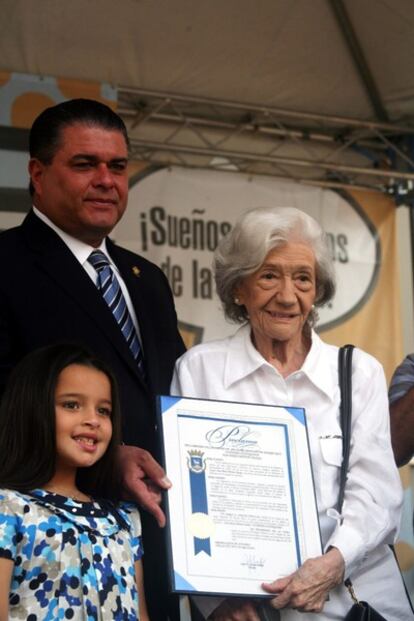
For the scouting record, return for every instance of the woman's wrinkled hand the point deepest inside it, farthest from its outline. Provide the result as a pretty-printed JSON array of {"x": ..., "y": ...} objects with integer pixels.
[
  {"x": 235, "y": 609},
  {"x": 307, "y": 588}
]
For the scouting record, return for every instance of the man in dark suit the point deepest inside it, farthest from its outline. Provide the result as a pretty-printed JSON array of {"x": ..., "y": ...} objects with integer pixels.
[{"x": 50, "y": 290}]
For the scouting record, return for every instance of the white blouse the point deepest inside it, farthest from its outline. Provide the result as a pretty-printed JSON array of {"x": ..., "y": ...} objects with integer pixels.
[{"x": 232, "y": 369}]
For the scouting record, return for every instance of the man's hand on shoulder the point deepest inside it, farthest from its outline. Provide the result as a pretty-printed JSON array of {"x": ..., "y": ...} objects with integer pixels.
[{"x": 143, "y": 479}]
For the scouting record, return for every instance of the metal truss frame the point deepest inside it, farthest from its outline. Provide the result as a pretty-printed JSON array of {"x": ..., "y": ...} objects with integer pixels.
[{"x": 329, "y": 151}]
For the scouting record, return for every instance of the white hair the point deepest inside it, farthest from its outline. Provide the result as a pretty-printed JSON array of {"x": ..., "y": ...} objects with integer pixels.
[{"x": 258, "y": 231}]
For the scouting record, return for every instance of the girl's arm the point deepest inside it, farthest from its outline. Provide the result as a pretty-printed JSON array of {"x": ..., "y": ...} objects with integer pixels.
[
  {"x": 139, "y": 577},
  {"x": 6, "y": 571}
]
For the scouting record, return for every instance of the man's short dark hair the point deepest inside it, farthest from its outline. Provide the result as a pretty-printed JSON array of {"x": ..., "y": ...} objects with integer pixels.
[{"x": 45, "y": 134}]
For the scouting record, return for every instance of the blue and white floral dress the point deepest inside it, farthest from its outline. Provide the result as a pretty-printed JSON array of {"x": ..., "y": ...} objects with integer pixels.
[{"x": 72, "y": 560}]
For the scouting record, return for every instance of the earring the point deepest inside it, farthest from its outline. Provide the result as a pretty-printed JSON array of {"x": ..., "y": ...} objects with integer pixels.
[{"x": 237, "y": 301}]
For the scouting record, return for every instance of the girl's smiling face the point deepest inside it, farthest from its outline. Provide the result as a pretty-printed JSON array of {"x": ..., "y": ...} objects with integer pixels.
[{"x": 83, "y": 406}]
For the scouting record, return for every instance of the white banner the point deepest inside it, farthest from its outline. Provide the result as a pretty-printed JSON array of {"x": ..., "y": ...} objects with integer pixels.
[{"x": 177, "y": 216}]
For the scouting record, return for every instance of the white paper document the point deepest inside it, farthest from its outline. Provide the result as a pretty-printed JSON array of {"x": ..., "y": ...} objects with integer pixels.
[{"x": 242, "y": 507}]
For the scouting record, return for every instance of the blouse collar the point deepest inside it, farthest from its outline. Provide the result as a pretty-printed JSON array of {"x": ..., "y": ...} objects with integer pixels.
[{"x": 243, "y": 359}]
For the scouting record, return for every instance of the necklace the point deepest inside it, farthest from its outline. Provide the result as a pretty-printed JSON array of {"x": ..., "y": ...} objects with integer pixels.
[{"x": 78, "y": 496}]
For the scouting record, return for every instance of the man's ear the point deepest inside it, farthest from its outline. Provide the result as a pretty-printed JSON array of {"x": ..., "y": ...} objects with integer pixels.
[{"x": 36, "y": 170}]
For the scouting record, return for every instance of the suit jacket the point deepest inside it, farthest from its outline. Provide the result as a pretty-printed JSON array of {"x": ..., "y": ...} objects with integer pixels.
[{"x": 46, "y": 296}]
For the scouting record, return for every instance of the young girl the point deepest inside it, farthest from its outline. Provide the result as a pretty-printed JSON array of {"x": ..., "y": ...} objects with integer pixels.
[{"x": 65, "y": 552}]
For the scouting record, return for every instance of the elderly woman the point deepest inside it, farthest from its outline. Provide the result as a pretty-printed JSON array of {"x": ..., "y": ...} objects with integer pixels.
[{"x": 272, "y": 271}]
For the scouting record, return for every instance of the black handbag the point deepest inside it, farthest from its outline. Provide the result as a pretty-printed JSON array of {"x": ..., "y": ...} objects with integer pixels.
[{"x": 360, "y": 611}]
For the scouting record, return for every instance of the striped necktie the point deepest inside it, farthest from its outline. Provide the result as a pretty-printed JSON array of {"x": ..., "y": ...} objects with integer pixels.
[{"x": 113, "y": 296}]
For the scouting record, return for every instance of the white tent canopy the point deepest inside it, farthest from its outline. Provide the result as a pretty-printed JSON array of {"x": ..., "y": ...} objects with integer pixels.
[
  {"x": 351, "y": 59},
  {"x": 282, "y": 53}
]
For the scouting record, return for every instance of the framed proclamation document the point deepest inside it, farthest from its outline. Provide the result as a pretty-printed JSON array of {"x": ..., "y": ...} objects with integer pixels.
[{"x": 242, "y": 508}]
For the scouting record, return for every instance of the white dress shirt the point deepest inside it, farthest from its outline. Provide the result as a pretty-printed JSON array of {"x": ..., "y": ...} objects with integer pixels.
[
  {"x": 232, "y": 369},
  {"x": 81, "y": 252}
]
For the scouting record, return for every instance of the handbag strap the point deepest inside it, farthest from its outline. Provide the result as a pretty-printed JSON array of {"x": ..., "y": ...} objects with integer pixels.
[
  {"x": 345, "y": 417},
  {"x": 345, "y": 411}
]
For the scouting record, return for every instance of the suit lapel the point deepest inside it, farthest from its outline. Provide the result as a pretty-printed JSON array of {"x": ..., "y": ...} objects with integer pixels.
[{"x": 57, "y": 261}]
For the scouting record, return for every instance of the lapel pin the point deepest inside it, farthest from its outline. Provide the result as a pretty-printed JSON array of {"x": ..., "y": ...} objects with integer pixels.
[{"x": 136, "y": 271}]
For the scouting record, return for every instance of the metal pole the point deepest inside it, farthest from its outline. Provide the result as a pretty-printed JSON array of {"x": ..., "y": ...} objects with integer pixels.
[
  {"x": 355, "y": 49},
  {"x": 335, "y": 120},
  {"x": 371, "y": 172}
]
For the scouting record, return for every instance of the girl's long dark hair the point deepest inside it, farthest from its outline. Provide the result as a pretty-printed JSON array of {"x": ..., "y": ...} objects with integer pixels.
[{"x": 28, "y": 429}]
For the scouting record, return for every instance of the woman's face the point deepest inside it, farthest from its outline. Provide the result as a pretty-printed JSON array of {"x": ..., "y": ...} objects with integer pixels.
[{"x": 279, "y": 296}]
